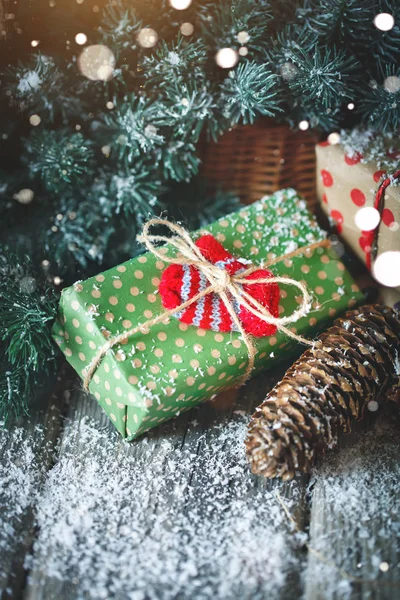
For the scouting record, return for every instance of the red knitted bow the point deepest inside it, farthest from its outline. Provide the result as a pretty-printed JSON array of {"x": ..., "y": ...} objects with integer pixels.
[{"x": 179, "y": 283}]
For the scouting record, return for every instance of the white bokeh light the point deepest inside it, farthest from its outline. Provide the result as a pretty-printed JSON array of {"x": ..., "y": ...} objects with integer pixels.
[
  {"x": 243, "y": 37},
  {"x": 34, "y": 120},
  {"x": 373, "y": 406},
  {"x": 147, "y": 37},
  {"x": 334, "y": 138},
  {"x": 187, "y": 29},
  {"x": 392, "y": 84},
  {"x": 384, "y": 21},
  {"x": 304, "y": 125},
  {"x": 80, "y": 39},
  {"x": 226, "y": 58},
  {"x": 288, "y": 71},
  {"x": 350, "y": 106},
  {"x": 386, "y": 269},
  {"x": 35, "y": 43},
  {"x": 367, "y": 218},
  {"x": 24, "y": 196},
  {"x": 97, "y": 63},
  {"x": 180, "y": 4}
]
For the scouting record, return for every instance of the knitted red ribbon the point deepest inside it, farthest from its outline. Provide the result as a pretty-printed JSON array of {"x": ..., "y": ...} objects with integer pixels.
[
  {"x": 370, "y": 238},
  {"x": 181, "y": 282}
]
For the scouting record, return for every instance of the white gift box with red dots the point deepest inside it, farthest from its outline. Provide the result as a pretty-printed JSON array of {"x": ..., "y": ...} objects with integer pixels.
[{"x": 346, "y": 184}]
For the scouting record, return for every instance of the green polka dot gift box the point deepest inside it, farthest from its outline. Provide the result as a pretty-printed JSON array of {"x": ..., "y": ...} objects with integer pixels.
[{"x": 170, "y": 367}]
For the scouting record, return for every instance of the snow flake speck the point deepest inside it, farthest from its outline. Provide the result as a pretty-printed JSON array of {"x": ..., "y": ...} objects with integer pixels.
[
  {"x": 30, "y": 82},
  {"x": 173, "y": 58},
  {"x": 162, "y": 524}
]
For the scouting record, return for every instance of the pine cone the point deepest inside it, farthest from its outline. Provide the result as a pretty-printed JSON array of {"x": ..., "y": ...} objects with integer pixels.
[{"x": 352, "y": 363}]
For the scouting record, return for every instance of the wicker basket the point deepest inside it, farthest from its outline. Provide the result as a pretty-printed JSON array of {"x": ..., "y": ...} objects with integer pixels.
[{"x": 254, "y": 160}]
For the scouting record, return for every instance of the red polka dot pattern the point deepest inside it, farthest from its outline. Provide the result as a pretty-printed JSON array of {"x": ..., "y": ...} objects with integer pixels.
[
  {"x": 365, "y": 242},
  {"x": 327, "y": 178},
  {"x": 388, "y": 217},
  {"x": 357, "y": 196},
  {"x": 325, "y": 143},
  {"x": 353, "y": 160},
  {"x": 378, "y": 175},
  {"x": 325, "y": 199},
  {"x": 338, "y": 218}
]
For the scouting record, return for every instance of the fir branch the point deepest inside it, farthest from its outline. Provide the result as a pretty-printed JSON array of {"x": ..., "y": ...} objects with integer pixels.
[
  {"x": 62, "y": 159},
  {"x": 41, "y": 86},
  {"x": 249, "y": 91},
  {"x": 289, "y": 40},
  {"x": 338, "y": 20},
  {"x": 381, "y": 101},
  {"x": 385, "y": 45},
  {"x": 119, "y": 26},
  {"x": 79, "y": 234},
  {"x": 132, "y": 127},
  {"x": 27, "y": 352},
  {"x": 322, "y": 78},
  {"x": 301, "y": 68},
  {"x": 324, "y": 119},
  {"x": 190, "y": 107},
  {"x": 179, "y": 161},
  {"x": 15, "y": 390},
  {"x": 223, "y": 21},
  {"x": 180, "y": 60},
  {"x": 134, "y": 193}
]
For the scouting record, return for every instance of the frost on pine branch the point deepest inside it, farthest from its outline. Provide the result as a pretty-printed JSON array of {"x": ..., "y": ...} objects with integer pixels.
[
  {"x": 60, "y": 158},
  {"x": 372, "y": 145},
  {"x": 250, "y": 91},
  {"x": 297, "y": 60},
  {"x": 27, "y": 352}
]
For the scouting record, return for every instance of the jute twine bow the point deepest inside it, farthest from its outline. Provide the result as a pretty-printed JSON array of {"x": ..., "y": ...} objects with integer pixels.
[{"x": 228, "y": 287}]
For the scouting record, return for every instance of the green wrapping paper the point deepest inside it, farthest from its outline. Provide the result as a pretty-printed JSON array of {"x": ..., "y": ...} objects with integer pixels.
[{"x": 156, "y": 375}]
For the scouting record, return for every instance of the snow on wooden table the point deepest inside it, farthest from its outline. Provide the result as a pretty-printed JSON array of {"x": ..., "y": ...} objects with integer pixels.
[{"x": 177, "y": 514}]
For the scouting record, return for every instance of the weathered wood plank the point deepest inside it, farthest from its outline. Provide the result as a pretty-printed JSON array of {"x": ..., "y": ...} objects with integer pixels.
[
  {"x": 175, "y": 514},
  {"x": 26, "y": 450},
  {"x": 186, "y": 518},
  {"x": 355, "y": 522}
]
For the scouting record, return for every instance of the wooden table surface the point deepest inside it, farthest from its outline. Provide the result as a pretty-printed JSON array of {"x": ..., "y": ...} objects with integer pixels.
[{"x": 188, "y": 519}]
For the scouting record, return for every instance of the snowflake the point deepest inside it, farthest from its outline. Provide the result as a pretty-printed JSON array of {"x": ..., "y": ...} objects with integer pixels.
[
  {"x": 173, "y": 58},
  {"x": 30, "y": 81}
]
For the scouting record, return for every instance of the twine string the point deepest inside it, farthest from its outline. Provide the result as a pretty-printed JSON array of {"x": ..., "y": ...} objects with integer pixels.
[{"x": 228, "y": 287}]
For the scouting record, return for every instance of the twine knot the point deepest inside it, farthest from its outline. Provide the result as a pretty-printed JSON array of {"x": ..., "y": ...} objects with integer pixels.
[
  {"x": 229, "y": 287},
  {"x": 220, "y": 279}
]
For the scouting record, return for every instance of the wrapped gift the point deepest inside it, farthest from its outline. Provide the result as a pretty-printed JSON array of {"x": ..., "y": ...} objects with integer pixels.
[
  {"x": 170, "y": 365},
  {"x": 364, "y": 203}
]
